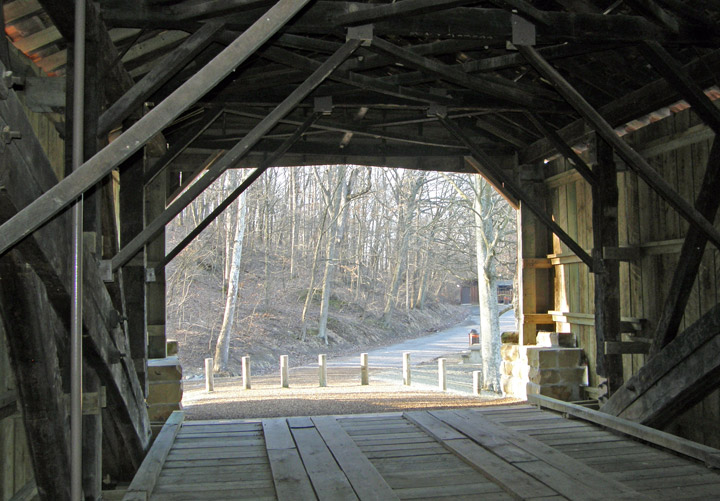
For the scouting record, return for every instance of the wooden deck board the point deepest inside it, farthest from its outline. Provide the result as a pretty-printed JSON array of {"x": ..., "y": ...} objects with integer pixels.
[{"x": 503, "y": 452}]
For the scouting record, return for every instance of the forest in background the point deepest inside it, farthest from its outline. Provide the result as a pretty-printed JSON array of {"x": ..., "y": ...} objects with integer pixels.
[{"x": 332, "y": 258}]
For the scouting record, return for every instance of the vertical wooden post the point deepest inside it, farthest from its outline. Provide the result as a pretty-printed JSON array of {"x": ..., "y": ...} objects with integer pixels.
[
  {"x": 284, "y": 376},
  {"x": 322, "y": 369},
  {"x": 364, "y": 369},
  {"x": 534, "y": 241},
  {"x": 246, "y": 372},
  {"x": 442, "y": 380},
  {"x": 477, "y": 382},
  {"x": 209, "y": 381},
  {"x": 155, "y": 203},
  {"x": 406, "y": 368},
  {"x": 607, "y": 272}
]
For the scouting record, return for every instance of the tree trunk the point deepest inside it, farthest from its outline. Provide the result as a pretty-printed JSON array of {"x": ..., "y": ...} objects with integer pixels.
[
  {"x": 335, "y": 235},
  {"x": 222, "y": 348},
  {"x": 404, "y": 226},
  {"x": 487, "y": 287}
]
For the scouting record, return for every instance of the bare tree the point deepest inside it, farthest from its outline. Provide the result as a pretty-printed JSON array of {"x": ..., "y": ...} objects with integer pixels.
[{"x": 222, "y": 348}]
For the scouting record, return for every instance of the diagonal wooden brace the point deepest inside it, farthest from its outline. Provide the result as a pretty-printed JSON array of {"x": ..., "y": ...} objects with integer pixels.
[{"x": 91, "y": 172}]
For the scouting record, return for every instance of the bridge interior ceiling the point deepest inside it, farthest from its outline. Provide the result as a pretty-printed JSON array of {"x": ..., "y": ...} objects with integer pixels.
[
  {"x": 418, "y": 59},
  {"x": 495, "y": 87}
]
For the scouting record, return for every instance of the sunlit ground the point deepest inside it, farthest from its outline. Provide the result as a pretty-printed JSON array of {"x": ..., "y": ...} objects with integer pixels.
[{"x": 343, "y": 395}]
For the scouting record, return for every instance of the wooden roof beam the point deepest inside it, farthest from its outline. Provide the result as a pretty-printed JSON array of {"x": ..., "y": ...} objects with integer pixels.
[
  {"x": 375, "y": 13},
  {"x": 676, "y": 75},
  {"x": 178, "y": 146},
  {"x": 232, "y": 157},
  {"x": 92, "y": 171},
  {"x": 246, "y": 183},
  {"x": 354, "y": 79},
  {"x": 651, "y": 9},
  {"x": 644, "y": 100},
  {"x": 493, "y": 26},
  {"x": 163, "y": 71},
  {"x": 634, "y": 160},
  {"x": 565, "y": 150},
  {"x": 498, "y": 178},
  {"x": 506, "y": 90}
]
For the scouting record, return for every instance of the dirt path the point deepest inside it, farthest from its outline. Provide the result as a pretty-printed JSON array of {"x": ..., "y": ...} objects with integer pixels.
[{"x": 343, "y": 395}]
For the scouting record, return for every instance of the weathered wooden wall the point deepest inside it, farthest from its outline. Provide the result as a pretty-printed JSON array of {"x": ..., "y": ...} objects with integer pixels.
[
  {"x": 677, "y": 147},
  {"x": 16, "y": 470}
]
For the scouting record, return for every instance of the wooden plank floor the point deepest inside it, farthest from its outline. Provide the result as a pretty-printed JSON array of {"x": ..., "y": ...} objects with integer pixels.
[{"x": 512, "y": 452}]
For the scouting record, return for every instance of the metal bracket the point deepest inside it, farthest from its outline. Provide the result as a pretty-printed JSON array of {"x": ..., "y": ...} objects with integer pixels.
[
  {"x": 324, "y": 105},
  {"x": 150, "y": 275},
  {"x": 7, "y": 82},
  {"x": 364, "y": 33},
  {"x": 523, "y": 31},
  {"x": 8, "y": 135}
]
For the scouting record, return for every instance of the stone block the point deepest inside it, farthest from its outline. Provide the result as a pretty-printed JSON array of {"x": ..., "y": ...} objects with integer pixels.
[
  {"x": 509, "y": 352},
  {"x": 510, "y": 337},
  {"x": 569, "y": 357},
  {"x": 561, "y": 339},
  {"x": 542, "y": 358},
  {"x": 160, "y": 412},
  {"x": 169, "y": 392},
  {"x": 513, "y": 386},
  {"x": 506, "y": 368},
  {"x": 520, "y": 370},
  {"x": 565, "y": 392},
  {"x": 164, "y": 369}
]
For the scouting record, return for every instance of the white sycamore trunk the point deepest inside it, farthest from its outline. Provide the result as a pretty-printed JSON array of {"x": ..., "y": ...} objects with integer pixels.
[
  {"x": 222, "y": 348},
  {"x": 487, "y": 288}
]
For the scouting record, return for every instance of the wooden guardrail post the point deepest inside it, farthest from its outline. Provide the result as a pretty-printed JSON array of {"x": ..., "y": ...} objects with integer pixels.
[
  {"x": 284, "y": 377},
  {"x": 364, "y": 370},
  {"x": 477, "y": 381},
  {"x": 246, "y": 372},
  {"x": 209, "y": 381},
  {"x": 322, "y": 369},
  {"x": 406, "y": 368},
  {"x": 442, "y": 380}
]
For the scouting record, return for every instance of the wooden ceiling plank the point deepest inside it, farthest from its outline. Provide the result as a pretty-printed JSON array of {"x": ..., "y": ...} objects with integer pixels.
[{"x": 18, "y": 9}]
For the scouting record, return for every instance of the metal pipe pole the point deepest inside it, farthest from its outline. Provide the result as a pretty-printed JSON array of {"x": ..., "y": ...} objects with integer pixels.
[{"x": 76, "y": 356}]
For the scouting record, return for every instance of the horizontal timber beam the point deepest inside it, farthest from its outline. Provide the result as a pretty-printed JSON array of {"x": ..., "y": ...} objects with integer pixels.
[
  {"x": 92, "y": 171},
  {"x": 232, "y": 157}
]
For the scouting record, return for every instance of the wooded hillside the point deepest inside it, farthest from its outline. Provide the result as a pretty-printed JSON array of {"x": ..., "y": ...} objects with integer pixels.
[{"x": 381, "y": 249}]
